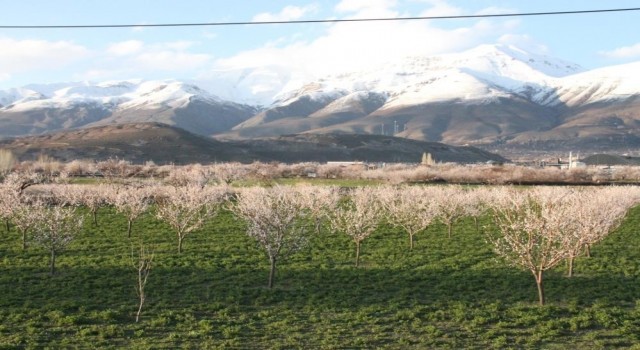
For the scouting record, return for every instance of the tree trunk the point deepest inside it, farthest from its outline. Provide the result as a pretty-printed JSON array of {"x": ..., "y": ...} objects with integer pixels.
[
  {"x": 587, "y": 250},
  {"x": 7, "y": 225},
  {"x": 95, "y": 218},
  {"x": 24, "y": 239},
  {"x": 272, "y": 271},
  {"x": 410, "y": 241},
  {"x": 570, "y": 262},
  {"x": 357, "y": 254},
  {"x": 538, "y": 276},
  {"x": 130, "y": 223},
  {"x": 318, "y": 224},
  {"x": 142, "y": 296},
  {"x": 53, "y": 262},
  {"x": 449, "y": 229},
  {"x": 476, "y": 221},
  {"x": 180, "y": 238},
  {"x": 139, "y": 309}
]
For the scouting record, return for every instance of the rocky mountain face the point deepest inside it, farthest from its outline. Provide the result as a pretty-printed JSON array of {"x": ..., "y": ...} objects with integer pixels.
[{"x": 494, "y": 96}]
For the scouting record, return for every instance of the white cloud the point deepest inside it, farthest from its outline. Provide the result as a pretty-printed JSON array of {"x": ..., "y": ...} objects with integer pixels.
[
  {"x": 294, "y": 56},
  {"x": 367, "y": 8},
  {"x": 100, "y": 74},
  {"x": 443, "y": 8},
  {"x": 210, "y": 35},
  {"x": 168, "y": 56},
  {"x": 139, "y": 28},
  {"x": 625, "y": 52},
  {"x": 493, "y": 10},
  {"x": 440, "y": 8},
  {"x": 182, "y": 45},
  {"x": 289, "y": 13},
  {"x": 125, "y": 48},
  {"x": 285, "y": 64},
  {"x": 168, "y": 60},
  {"x": 525, "y": 42},
  {"x": 347, "y": 46},
  {"x": 134, "y": 58},
  {"x": 28, "y": 55}
]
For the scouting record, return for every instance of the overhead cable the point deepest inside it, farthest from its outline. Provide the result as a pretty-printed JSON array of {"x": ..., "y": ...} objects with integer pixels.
[{"x": 346, "y": 20}]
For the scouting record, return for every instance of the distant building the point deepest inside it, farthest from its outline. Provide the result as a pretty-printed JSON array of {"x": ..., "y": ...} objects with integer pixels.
[
  {"x": 575, "y": 162},
  {"x": 427, "y": 159},
  {"x": 570, "y": 164}
]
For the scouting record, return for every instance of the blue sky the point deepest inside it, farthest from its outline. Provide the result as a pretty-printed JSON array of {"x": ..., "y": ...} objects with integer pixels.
[{"x": 57, "y": 55}]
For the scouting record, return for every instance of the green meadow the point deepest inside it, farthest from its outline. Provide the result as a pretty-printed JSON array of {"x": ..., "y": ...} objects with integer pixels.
[{"x": 446, "y": 293}]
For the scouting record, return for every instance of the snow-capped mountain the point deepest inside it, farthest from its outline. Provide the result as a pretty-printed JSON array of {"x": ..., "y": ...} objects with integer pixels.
[
  {"x": 41, "y": 108},
  {"x": 605, "y": 84},
  {"x": 483, "y": 73},
  {"x": 492, "y": 94},
  {"x": 500, "y": 63},
  {"x": 468, "y": 90}
]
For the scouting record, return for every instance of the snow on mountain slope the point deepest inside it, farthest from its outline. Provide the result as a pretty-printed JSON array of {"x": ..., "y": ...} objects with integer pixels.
[
  {"x": 125, "y": 94},
  {"x": 484, "y": 73},
  {"x": 109, "y": 92},
  {"x": 360, "y": 102},
  {"x": 503, "y": 65},
  {"x": 500, "y": 90},
  {"x": 605, "y": 84},
  {"x": 49, "y": 107},
  {"x": 18, "y": 95},
  {"x": 511, "y": 61},
  {"x": 256, "y": 86},
  {"x": 178, "y": 104},
  {"x": 488, "y": 93},
  {"x": 169, "y": 94},
  {"x": 444, "y": 86},
  {"x": 63, "y": 95}
]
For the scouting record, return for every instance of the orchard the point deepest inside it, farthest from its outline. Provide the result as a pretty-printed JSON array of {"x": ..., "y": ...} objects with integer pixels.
[{"x": 199, "y": 258}]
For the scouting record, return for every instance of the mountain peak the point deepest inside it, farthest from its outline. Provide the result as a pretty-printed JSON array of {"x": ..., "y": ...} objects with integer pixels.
[
  {"x": 515, "y": 62},
  {"x": 477, "y": 75}
]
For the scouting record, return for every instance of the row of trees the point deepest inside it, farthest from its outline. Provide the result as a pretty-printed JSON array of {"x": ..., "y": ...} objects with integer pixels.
[
  {"x": 541, "y": 227},
  {"x": 48, "y": 213},
  {"x": 52, "y": 227},
  {"x": 532, "y": 229},
  {"x": 221, "y": 173}
]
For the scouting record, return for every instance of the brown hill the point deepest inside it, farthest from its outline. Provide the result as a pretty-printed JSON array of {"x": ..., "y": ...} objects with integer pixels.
[{"x": 166, "y": 144}]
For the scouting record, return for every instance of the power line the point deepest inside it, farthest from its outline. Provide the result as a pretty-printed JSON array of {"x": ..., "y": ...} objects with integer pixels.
[{"x": 386, "y": 19}]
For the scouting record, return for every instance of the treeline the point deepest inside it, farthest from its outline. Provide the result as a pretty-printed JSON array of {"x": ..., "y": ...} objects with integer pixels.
[{"x": 387, "y": 173}]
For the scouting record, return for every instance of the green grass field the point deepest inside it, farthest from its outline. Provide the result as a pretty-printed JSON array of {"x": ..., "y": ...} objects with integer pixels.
[{"x": 446, "y": 293}]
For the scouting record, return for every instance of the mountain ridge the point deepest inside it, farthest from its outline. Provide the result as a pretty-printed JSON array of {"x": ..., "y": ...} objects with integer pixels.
[{"x": 489, "y": 96}]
